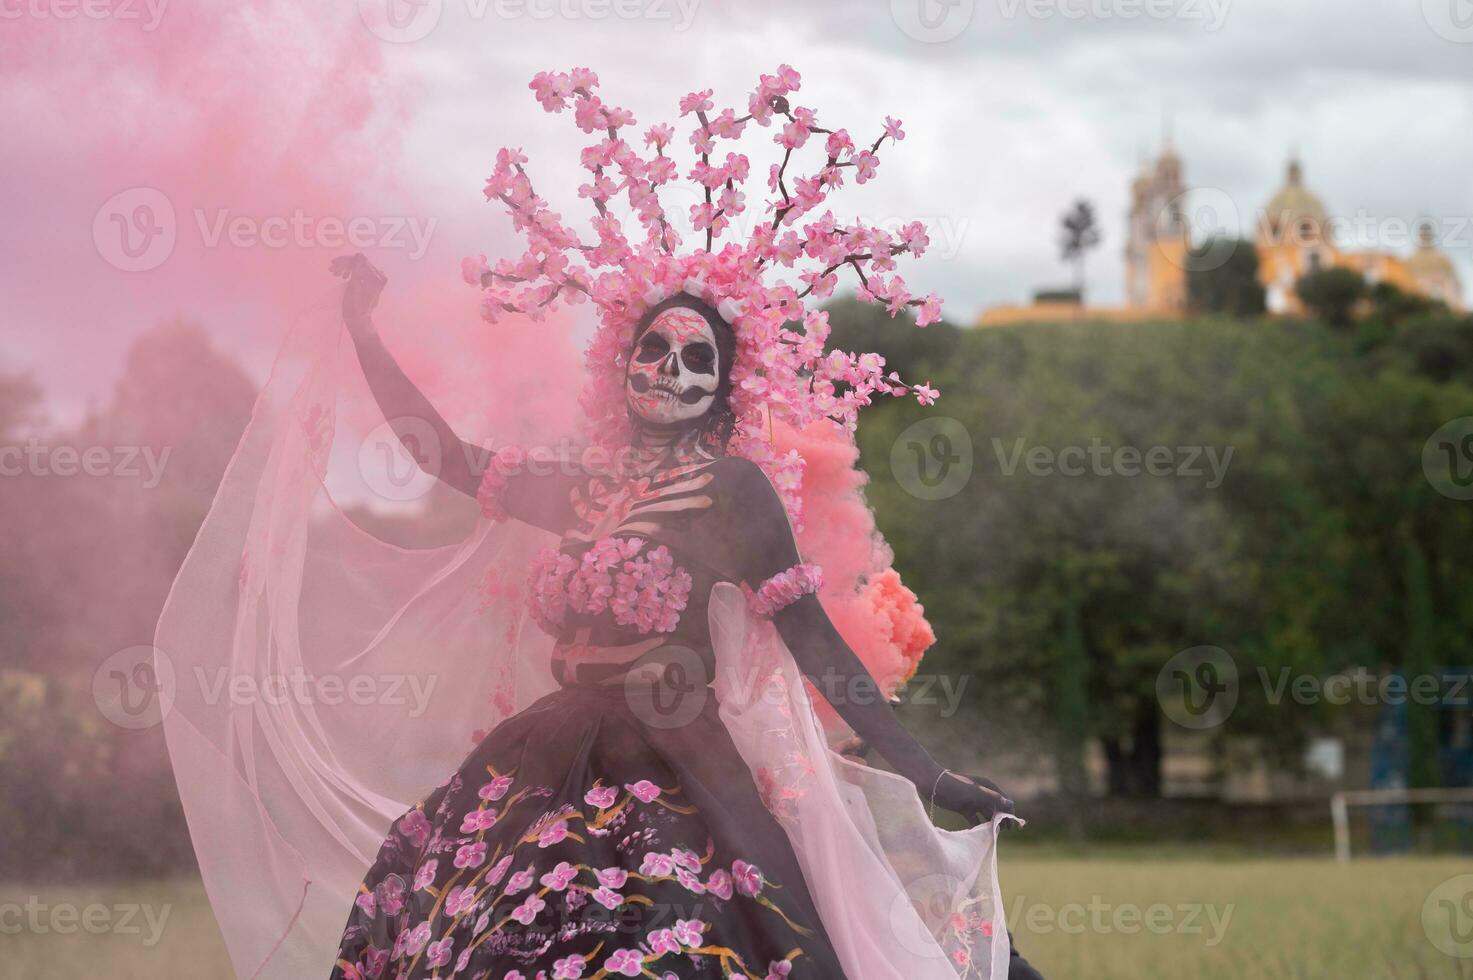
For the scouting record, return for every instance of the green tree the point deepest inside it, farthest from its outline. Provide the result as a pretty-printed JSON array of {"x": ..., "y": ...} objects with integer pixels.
[
  {"x": 1332, "y": 294},
  {"x": 1296, "y": 560},
  {"x": 1223, "y": 278}
]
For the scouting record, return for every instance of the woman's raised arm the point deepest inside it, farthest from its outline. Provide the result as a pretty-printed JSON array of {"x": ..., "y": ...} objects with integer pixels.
[{"x": 408, "y": 411}]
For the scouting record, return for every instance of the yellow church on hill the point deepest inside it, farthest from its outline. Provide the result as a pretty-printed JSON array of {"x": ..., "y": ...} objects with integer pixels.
[{"x": 1294, "y": 235}]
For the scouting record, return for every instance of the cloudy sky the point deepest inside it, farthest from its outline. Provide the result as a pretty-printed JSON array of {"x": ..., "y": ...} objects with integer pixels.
[{"x": 1013, "y": 109}]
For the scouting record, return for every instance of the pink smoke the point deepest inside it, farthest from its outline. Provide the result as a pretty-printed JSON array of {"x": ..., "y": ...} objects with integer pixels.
[
  {"x": 269, "y": 128},
  {"x": 876, "y": 614}
]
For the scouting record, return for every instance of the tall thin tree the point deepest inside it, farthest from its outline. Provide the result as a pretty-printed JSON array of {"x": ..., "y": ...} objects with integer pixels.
[{"x": 1078, "y": 233}]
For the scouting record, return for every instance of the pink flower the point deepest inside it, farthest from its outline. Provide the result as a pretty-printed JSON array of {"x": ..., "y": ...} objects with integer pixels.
[
  {"x": 495, "y": 789},
  {"x": 926, "y": 395},
  {"x": 657, "y": 864},
  {"x": 478, "y": 820},
  {"x": 600, "y": 796},
  {"x": 425, "y": 874},
  {"x": 659, "y": 136},
  {"x": 839, "y": 143},
  {"x": 607, "y": 897},
  {"x": 719, "y": 884},
  {"x": 663, "y": 941},
  {"x": 930, "y": 311},
  {"x": 568, "y": 968},
  {"x": 366, "y": 902},
  {"x": 865, "y": 165},
  {"x": 696, "y": 102},
  {"x": 520, "y": 881},
  {"x": 612, "y": 877},
  {"x": 528, "y": 910},
  {"x": 628, "y": 962},
  {"x": 414, "y": 826},
  {"x": 459, "y": 899},
  {"x": 471, "y": 855},
  {"x": 747, "y": 877},
  {"x": 915, "y": 238},
  {"x": 688, "y": 931},
  {"x": 390, "y": 894},
  {"x": 794, "y": 134},
  {"x": 644, "y": 790},
  {"x": 893, "y": 130},
  {"x": 552, "y": 834},
  {"x": 778, "y": 970},
  {"x": 417, "y": 939},
  {"x": 473, "y": 268},
  {"x": 785, "y": 588},
  {"x": 559, "y": 877},
  {"x": 439, "y": 953}
]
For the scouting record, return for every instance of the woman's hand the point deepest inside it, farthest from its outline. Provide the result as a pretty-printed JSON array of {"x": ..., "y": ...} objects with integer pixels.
[
  {"x": 364, "y": 283},
  {"x": 975, "y": 798}
]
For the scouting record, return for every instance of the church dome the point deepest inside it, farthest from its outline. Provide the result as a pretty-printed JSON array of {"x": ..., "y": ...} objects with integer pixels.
[
  {"x": 1296, "y": 207},
  {"x": 1429, "y": 262}
]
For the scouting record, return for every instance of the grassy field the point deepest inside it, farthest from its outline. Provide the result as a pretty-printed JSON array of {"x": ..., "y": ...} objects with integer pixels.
[
  {"x": 1112, "y": 914},
  {"x": 1227, "y": 919}
]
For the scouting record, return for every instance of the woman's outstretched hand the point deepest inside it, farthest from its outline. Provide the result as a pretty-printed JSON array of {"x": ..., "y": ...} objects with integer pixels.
[
  {"x": 975, "y": 798},
  {"x": 364, "y": 283}
]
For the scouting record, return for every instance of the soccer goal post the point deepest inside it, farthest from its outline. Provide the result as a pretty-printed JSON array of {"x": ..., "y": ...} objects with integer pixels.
[{"x": 1341, "y": 803}]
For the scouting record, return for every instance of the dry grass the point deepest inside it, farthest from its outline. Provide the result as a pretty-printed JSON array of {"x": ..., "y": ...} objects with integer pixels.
[
  {"x": 1274, "y": 919},
  {"x": 1072, "y": 915}
]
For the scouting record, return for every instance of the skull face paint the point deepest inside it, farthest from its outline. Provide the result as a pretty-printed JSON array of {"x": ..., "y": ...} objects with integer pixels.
[{"x": 674, "y": 370}]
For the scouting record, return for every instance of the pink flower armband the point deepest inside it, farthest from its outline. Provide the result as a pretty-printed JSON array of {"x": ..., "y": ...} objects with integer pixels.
[
  {"x": 784, "y": 589},
  {"x": 503, "y": 463}
]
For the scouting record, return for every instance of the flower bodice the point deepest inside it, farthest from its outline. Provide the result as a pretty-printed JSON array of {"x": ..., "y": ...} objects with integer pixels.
[
  {"x": 638, "y": 555},
  {"x": 626, "y": 578}
]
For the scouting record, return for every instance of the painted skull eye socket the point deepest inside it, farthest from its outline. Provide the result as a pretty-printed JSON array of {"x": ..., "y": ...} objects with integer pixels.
[
  {"x": 652, "y": 347},
  {"x": 700, "y": 358}
]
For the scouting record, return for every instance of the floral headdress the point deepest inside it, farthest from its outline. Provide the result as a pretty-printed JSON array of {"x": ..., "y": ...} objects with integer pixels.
[{"x": 781, "y": 368}]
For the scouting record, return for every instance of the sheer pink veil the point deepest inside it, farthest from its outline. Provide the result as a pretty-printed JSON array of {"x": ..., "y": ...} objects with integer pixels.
[{"x": 321, "y": 681}]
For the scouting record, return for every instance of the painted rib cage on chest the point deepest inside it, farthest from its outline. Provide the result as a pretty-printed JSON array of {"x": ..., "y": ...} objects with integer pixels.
[{"x": 641, "y": 506}]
